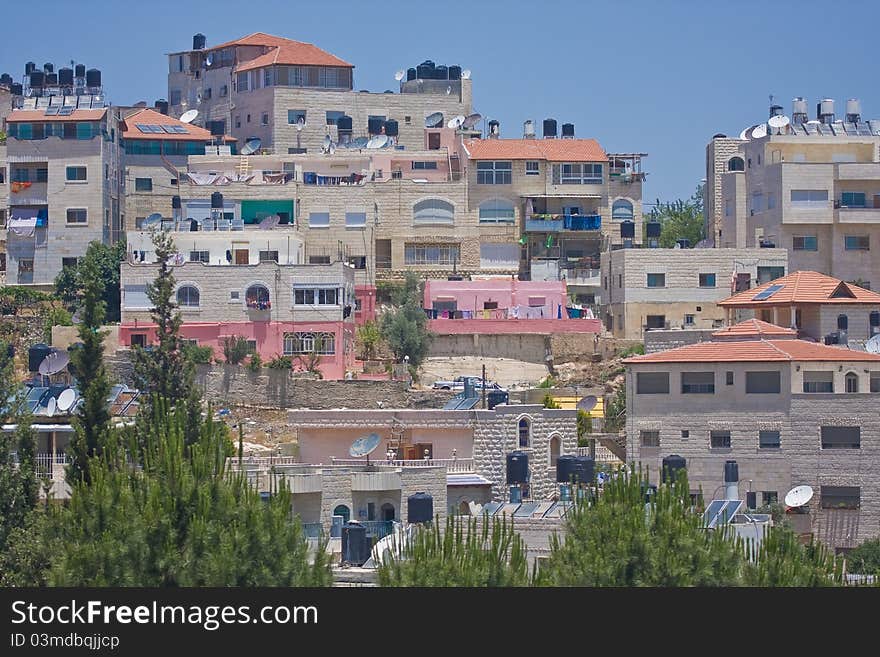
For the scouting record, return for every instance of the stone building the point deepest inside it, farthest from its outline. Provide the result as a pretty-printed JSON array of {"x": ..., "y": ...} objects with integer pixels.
[
  {"x": 790, "y": 412},
  {"x": 722, "y": 155}
]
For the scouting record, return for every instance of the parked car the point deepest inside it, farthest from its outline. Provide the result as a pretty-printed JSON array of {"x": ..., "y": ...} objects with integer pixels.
[{"x": 457, "y": 384}]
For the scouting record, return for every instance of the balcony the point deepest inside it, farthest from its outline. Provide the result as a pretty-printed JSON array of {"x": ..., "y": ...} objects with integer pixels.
[
  {"x": 312, "y": 178},
  {"x": 451, "y": 465},
  {"x": 545, "y": 225},
  {"x": 580, "y": 276},
  {"x": 374, "y": 481},
  {"x": 856, "y": 215},
  {"x": 304, "y": 483},
  {"x": 554, "y": 223}
]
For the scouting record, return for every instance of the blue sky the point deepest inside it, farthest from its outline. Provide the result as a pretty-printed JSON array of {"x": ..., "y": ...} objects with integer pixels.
[{"x": 655, "y": 77}]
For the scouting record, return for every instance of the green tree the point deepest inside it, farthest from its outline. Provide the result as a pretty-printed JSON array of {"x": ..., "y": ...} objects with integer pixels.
[
  {"x": 405, "y": 327},
  {"x": 549, "y": 402},
  {"x": 235, "y": 349},
  {"x": 584, "y": 427},
  {"x": 465, "y": 554},
  {"x": 92, "y": 420},
  {"x": 106, "y": 258},
  {"x": 615, "y": 412},
  {"x": 680, "y": 219},
  {"x": 370, "y": 337},
  {"x": 865, "y": 559}
]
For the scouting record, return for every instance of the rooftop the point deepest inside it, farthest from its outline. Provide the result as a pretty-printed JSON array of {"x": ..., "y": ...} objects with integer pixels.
[
  {"x": 550, "y": 150},
  {"x": 754, "y": 351},
  {"x": 150, "y": 124},
  {"x": 282, "y": 51},
  {"x": 754, "y": 328},
  {"x": 802, "y": 287},
  {"x": 41, "y": 116}
]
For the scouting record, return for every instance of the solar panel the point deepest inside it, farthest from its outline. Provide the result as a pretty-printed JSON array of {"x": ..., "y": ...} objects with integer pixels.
[
  {"x": 824, "y": 129},
  {"x": 864, "y": 129},
  {"x": 721, "y": 512},
  {"x": 65, "y": 111},
  {"x": 52, "y": 111},
  {"x": 766, "y": 294},
  {"x": 811, "y": 128},
  {"x": 838, "y": 128},
  {"x": 175, "y": 129},
  {"x": 874, "y": 127},
  {"x": 850, "y": 128}
]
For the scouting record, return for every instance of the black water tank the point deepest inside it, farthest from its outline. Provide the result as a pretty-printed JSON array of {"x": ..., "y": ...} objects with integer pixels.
[
  {"x": 30, "y": 66},
  {"x": 217, "y": 127},
  {"x": 549, "y": 128},
  {"x": 425, "y": 70},
  {"x": 455, "y": 72},
  {"x": 517, "y": 467},
  {"x": 419, "y": 508},
  {"x": 344, "y": 123},
  {"x": 36, "y": 354},
  {"x": 48, "y": 67},
  {"x": 584, "y": 469},
  {"x": 93, "y": 78},
  {"x": 684, "y": 243},
  {"x": 16, "y": 89},
  {"x": 374, "y": 126},
  {"x": 652, "y": 229},
  {"x": 568, "y": 129},
  {"x": 6, "y": 79},
  {"x": 65, "y": 77},
  {"x": 565, "y": 466},
  {"x": 627, "y": 229},
  {"x": 441, "y": 72},
  {"x": 495, "y": 397},
  {"x": 356, "y": 545},
  {"x": 199, "y": 41},
  {"x": 411, "y": 74},
  {"x": 494, "y": 127},
  {"x": 731, "y": 471},
  {"x": 216, "y": 200},
  {"x": 391, "y": 128},
  {"x": 80, "y": 70},
  {"x": 671, "y": 465},
  {"x": 38, "y": 78},
  {"x": 51, "y": 79},
  {"x": 161, "y": 106},
  {"x": 175, "y": 202}
]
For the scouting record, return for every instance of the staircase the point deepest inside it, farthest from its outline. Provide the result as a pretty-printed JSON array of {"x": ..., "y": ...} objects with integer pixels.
[{"x": 615, "y": 443}]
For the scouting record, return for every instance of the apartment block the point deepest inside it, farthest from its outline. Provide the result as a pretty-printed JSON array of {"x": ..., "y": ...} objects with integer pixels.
[
  {"x": 644, "y": 289},
  {"x": 789, "y": 412}
]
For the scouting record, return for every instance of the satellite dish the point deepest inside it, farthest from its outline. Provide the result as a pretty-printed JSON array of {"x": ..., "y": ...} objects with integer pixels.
[
  {"x": 54, "y": 363},
  {"x": 66, "y": 399},
  {"x": 466, "y": 74},
  {"x": 331, "y": 149},
  {"x": 471, "y": 120},
  {"x": 360, "y": 142},
  {"x": 778, "y": 121},
  {"x": 189, "y": 116},
  {"x": 872, "y": 346},
  {"x": 76, "y": 318},
  {"x": 448, "y": 90},
  {"x": 364, "y": 445},
  {"x": 759, "y": 131},
  {"x": 587, "y": 403},
  {"x": 379, "y": 141},
  {"x": 152, "y": 220},
  {"x": 455, "y": 122},
  {"x": 434, "y": 120},
  {"x": 327, "y": 142},
  {"x": 704, "y": 244},
  {"x": 51, "y": 406},
  {"x": 300, "y": 124},
  {"x": 141, "y": 103},
  {"x": 399, "y": 75},
  {"x": 251, "y": 146},
  {"x": 209, "y": 59},
  {"x": 798, "y": 496}
]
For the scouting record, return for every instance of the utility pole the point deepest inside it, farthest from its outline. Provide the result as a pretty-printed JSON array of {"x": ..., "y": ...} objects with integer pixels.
[{"x": 484, "y": 386}]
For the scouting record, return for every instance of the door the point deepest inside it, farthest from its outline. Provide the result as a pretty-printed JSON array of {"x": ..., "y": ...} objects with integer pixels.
[
  {"x": 242, "y": 256},
  {"x": 877, "y": 200}
]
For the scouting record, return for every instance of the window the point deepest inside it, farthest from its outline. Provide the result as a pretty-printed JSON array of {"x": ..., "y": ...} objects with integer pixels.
[
  {"x": 309, "y": 342},
  {"x": 424, "y": 166},
  {"x": 769, "y": 497},
  {"x": 75, "y": 174},
  {"x": 433, "y": 211},
  {"x": 856, "y": 243},
  {"x": 805, "y": 243},
  {"x": 2, "y": 175},
  {"x": 719, "y": 439},
  {"x": 728, "y": 207},
  {"x": 494, "y": 173},
  {"x": 840, "y": 497},
  {"x": 77, "y": 216},
  {"x": 852, "y": 199},
  {"x": 525, "y": 432},
  {"x": 355, "y": 219},
  {"x": 316, "y": 296},
  {"x": 319, "y": 260},
  {"x": 430, "y": 254},
  {"x": 319, "y": 219},
  {"x": 757, "y": 204},
  {"x": 656, "y": 280},
  {"x": 333, "y": 117},
  {"x": 771, "y": 200},
  {"x": 654, "y": 321},
  {"x": 700, "y": 383},
  {"x": 736, "y": 164},
  {"x": 689, "y": 320},
  {"x": 768, "y": 439},
  {"x": 685, "y": 433},
  {"x": 652, "y": 383},
  {"x": 842, "y": 322},
  {"x": 622, "y": 210},
  {"x": 852, "y": 382},
  {"x": 234, "y": 296},
  {"x": 818, "y": 381},
  {"x": 532, "y": 168},
  {"x": 238, "y": 120},
  {"x": 138, "y": 340},
  {"x": 841, "y": 437},
  {"x": 762, "y": 383},
  {"x": 268, "y": 256},
  {"x": 767, "y": 274},
  {"x": 728, "y": 378},
  {"x": 241, "y": 82},
  {"x": 497, "y": 211},
  {"x": 188, "y": 296},
  {"x": 577, "y": 174},
  {"x": 875, "y": 381},
  {"x": 499, "y": 255},
  {"x": 69, "y": 262},
  {"x": 143, "y": 184},
  {"x": 200, "y": 256},
  {"x": 555, "y": 448},
  {"x": 135, "y": 297},
  {"x": 256, "y": 297},
  {"x": 650, "y": 438},
  {"x": 264, "y": 119},
  {"x": 809, "y": 197},
  {"x": 175, "y": 97},
  {"x": 707, "y": 280}
]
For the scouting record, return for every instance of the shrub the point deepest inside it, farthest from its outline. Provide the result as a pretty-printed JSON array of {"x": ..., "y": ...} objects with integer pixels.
[
  {"x": 198, "y": 355},
  {"x": 635, "y": 350},
  {"x": 279, "y": 363},
  {"x": 255, "y": 363},
  {"x": 549, "y": 402},
  {"x": 235, "y": 349},
  {"x": 55, "y": 317},
  {"x": 549, "y": 381},
  {"x": 370, "y": 337}
]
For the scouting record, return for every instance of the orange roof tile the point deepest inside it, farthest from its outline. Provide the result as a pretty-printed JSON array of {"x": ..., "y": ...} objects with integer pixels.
[
  {"x": 728, "y": 351},
  {"x": 755, "y": 328},
  {"x": 551, "y": 150},
  {"x": 282, "y": 51},
  {"x": 804, "y": 287},
  {"x": 148, "y": 116},
  {"x": 40, "y": 115}
]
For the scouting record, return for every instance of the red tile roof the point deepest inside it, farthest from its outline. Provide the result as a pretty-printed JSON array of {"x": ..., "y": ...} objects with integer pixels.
[
  {"x": 754, "y": 328},
  {"x": 40, "y": 115},
  {"x": 283, "y": 51},
  {"x": 756, "y": 351},
  {"x": 551, "y": 150},
  {"x": 804, "y": 287},
  {"x": 148, "y": 116}
]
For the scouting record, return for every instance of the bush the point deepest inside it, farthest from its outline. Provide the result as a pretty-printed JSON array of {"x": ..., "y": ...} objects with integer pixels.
[
  {"x": 584, "y": 427},
  {"x": 55, "y": 317},
  {"x": 280, "y": 363},
  {"x": 13, "y": 299},
  {"x": 198, "y": 355},
  {"x": 255, "y": 364},
  {"x": 865, "y": 559},
  {"x": 370, "y": 337},
  {"x": 635, "y": 350},
  {"x": 549, "y": 402},
  {"x": 235, "y": 349},
  {"x": 549, "y": 381}
]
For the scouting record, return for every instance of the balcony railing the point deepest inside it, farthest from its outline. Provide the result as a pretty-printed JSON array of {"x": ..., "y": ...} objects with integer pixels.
[
  {"x": 452, "y": 465},
  {"x": 312, "y": 178},
  {"x": 552, "y": 223},
  {"x": 544, "y": 225}
]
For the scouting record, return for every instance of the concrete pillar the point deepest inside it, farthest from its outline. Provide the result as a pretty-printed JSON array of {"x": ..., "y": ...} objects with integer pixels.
[
  {"x": 776, "y": 315},
  {"x": 793, "y": 323}
]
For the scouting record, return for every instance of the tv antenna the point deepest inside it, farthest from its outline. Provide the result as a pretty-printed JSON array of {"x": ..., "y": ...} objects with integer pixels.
[
  {"x": 798, "y": 496},
  {"x": 364, "y": 446},
  {"x": 189, "y": 116},
  {"x": 399, "y": 75}
]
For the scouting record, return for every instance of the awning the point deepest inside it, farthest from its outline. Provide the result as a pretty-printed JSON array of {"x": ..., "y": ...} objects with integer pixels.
[
  {"x": 572, "y": 195},
  {"x": 58, "y": 428},
  {"x": 466, "y": 479},
  {"x": 23, "y": 227}
]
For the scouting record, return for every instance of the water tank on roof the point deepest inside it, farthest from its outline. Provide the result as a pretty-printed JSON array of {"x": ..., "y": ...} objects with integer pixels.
[
  {"x": 731, "y": 471},
  {"x": 568, "y": 130},
  {"x": 455, "y": 72},
  {"x": 93, "y": 77},
  {"x": 671, "y": 465},
  {"x": 216, "y": 201},
  {"x": 825, "y": 110},
  {"x": 343, "y": 123},
  {"x": 161, "y": 106},
  {"x": 494, "y": 128},
  {"x": 653, "y": 229},
  {"x": 411, "y": 74},
  {"x": 425, "y": 70},
  {"x": 80, "y": 70},
  {"x": 517, "y": 467},
  {"x": 584, "y": 468},
  {"x": 684, "y": 243},
  {"x": 199, "y": 41},
  {"x": 37, "y": 78},
  {"x": 48, "y": 67},
  {"x": 627, "y": 229},
  {"x": 441, "y": 72},
  {"x": 356, "y": 545},
  {"x": 374, "y": 126},
  {"x": 391, "y": 128},
  {"x": 36, "y": 354},
  {"x": 6, "y": 79},
  {"x": 51, "y": 79},
  {"x": 65, "y": 76},
  {"x": 175, "y": 202},
  {"x": 565, "y": 465},
  {"x": 16, "y": 89},
  {"x": 30, "y": 66},
  {"x": 549, "y": 128},
  {"x": 419, "y": 508}
]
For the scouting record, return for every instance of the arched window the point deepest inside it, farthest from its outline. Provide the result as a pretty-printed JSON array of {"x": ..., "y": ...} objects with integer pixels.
[
  {"x": 842, "y": 322},
  {"x": 257, "y": 297},
  {"x": 736, "y": 164},
  {"x": 852, "y": 382},
  {"x": 621, "y": 209},
  {"x": 387, "y": 511},
  {"x": 343, "y": 511},
  {"x": 525, "y": 432},
  {"x": 555, "y": 447},
  {"x": 497, "y": 211},
  {"x": 188, "y": 296},
  {"x": 433, "y": 211}
]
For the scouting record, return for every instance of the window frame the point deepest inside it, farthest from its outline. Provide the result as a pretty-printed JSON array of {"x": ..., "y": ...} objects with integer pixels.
[
  {"x": 804, "y": 244},
  {"x": 764, "y": 390},
  {"x": 188, "y": 302},
  {"x": 85, "y": 215},
  {"x": 140, "y": 186},
  {"x": 76, "y": 168},
  {"x": 495, "y": 172},
  {"x": 703, "y": 282},
  {"x": 648, "y": 279},
  {"x": 830, "y": 441},
  {"x": 856, "y": 242},
  {"x": 645, "y": 385},
  {"x": 722, "y": 436},
  {"x": 765, "y": 439},
  {"x": 649, "y": 439}
]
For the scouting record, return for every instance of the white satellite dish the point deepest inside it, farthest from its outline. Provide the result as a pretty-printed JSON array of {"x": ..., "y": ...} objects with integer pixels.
[
  {"x": 66, "y": 399},
  {"x": 779, "y": 121},
  {"x": 379, "y": 141},
  {"x": 471, "y": 120},
  {"x": 434, "y": 120},
  {"x": 208, "y": 59},
  {"x": 51, "y": 406},
  {"x": 399, "y": 75},
  {"x": 455, "y": 122},
  {"x": 331, "y": 149},
  {"x": 189, "y": 116},
  {"x": 872, "y": 346},
  {"x": 745, "y": 133},
  {"x": 251, "y": 146},
  {"x": 759, "y": 131},
  {"x": 300, "y": 124},
  {"x": 325, "y": 146},
  {"x": 466, "y": 74},
  {"x": 587, "y": 403},
  {"x": 798, "y": 496},
  {"x": 448, "y": 89},
  {"x": 153, "y": 220}
]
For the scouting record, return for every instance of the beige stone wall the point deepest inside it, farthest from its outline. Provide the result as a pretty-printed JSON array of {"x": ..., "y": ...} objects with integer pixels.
[{"x": 718, "y": 153}]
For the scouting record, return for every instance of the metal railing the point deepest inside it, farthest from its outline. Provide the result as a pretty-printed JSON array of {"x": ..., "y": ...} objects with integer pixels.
[
  {"x": 452, "y": 465},
  {"x": 378, "y": 528},
  {"x": 313, "y": 529}
]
